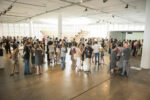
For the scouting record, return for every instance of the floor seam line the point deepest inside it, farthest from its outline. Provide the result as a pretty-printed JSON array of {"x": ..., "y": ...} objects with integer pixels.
[{"x": 90, "y": 89}]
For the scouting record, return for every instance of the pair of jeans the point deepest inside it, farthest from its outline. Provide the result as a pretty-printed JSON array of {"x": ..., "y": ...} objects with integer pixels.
[
  {"x": 8, "y": 50},
  {"x": 63, "y": 62},
  {"x": 97, "y": 57},
  {"x": 26, "y": 69},
  {"x": 134, "y": 51},
  {"x": 126, "y": 67}
]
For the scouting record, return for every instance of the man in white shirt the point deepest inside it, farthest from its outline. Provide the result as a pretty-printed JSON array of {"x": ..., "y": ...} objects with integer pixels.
[{"x": 96, "y": 48}]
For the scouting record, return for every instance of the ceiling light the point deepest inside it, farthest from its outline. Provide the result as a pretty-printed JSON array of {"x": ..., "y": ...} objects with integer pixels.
[
  {"x": 126, "y": 6},
  {"x": 81, "y": 1},
  {"x": 4, "y": 12},
  {"x": 86, "y": 9},
  {"x": 10, "y": 7},
  {"x": 104, "y": 1},
  {"x": 97, "y": 21}
]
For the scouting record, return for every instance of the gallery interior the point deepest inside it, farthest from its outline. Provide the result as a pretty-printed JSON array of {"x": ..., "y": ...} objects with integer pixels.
[{"x": 74, "y": 49}]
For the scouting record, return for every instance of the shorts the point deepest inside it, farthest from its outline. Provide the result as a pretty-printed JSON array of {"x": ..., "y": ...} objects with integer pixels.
[{"x": 14, "y": 61}]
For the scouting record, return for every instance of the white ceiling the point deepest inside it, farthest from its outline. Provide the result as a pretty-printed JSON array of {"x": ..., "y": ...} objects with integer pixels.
[{"x": 97, "y": 10}]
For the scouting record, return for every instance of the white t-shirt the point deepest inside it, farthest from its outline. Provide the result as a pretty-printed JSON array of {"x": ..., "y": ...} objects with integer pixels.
[
  {"x": 51, "y": 48},
  {"x": 63, "y": 52},
  {"x": 96, "y": 48}
]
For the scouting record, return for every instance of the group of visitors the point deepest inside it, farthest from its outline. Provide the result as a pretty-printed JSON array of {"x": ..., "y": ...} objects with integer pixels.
[
  {"x": 120, "y": 52},
  {"x": 84, "y": 53}
]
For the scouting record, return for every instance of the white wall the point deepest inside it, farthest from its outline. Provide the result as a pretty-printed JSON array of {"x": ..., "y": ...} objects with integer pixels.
[
  {"x": 125, "y": 36},
  {"x": 135, "y": 36},
  {"x": 118, "y": 35}
]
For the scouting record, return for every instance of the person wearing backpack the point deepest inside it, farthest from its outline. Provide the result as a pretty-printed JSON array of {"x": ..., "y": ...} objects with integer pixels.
[{"x": 88, "y": 57}]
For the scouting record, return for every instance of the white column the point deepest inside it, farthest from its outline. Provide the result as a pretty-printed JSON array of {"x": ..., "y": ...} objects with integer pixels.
[
  {"x": 19, "y": 34},
  {"x": 14, "y": 30},
  {"x": 8, "y": 30},
  {"x": 24, "y": 29},
  {"x": 145, "y": 62},
  {"x": 1, "y": 30},
  {"x": 30, "y": 28},
  {"x": 60, "y": 26}
]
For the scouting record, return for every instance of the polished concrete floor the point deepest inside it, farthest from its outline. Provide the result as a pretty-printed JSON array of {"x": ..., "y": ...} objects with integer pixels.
[{"x": 55, "y": 84}]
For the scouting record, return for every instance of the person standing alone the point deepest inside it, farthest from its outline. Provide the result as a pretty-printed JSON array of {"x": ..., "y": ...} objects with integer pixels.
[
  {"x": 96, "y": 51},
  {"x": 63, "y": 55},
  {"x": 26, "y": 55},
  {"x": 126, "y": 58}
]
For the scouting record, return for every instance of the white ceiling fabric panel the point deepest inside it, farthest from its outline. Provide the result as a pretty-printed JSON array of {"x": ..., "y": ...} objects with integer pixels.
[{"x": 96, "y": 10}]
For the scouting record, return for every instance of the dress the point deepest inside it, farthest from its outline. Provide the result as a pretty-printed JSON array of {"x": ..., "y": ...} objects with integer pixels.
[
  {"x": 38, "y": 57},
  {"x": 113, "y": 59}
]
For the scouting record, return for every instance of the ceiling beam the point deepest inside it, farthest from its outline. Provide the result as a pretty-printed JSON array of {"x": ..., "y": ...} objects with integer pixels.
[
  {"x": 80, "y": 4},
  {"x": 45, "y": 12},
  {"x": 71, "y": 4},
  {"x": 25, "y": 3},
  {"x": 14, "y": 15}
]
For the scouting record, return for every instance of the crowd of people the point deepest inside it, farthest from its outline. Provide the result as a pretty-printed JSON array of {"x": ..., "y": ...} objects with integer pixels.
[{"x": 83, "y": 53}]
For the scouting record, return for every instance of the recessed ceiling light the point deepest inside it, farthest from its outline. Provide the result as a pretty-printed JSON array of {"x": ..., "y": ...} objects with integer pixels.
[
  {"x": 126, "y": 6},
  {"x": 104, "y": 1},
  {"x": 86, "y": 9},
  {"x": 81, "y": 1}
]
